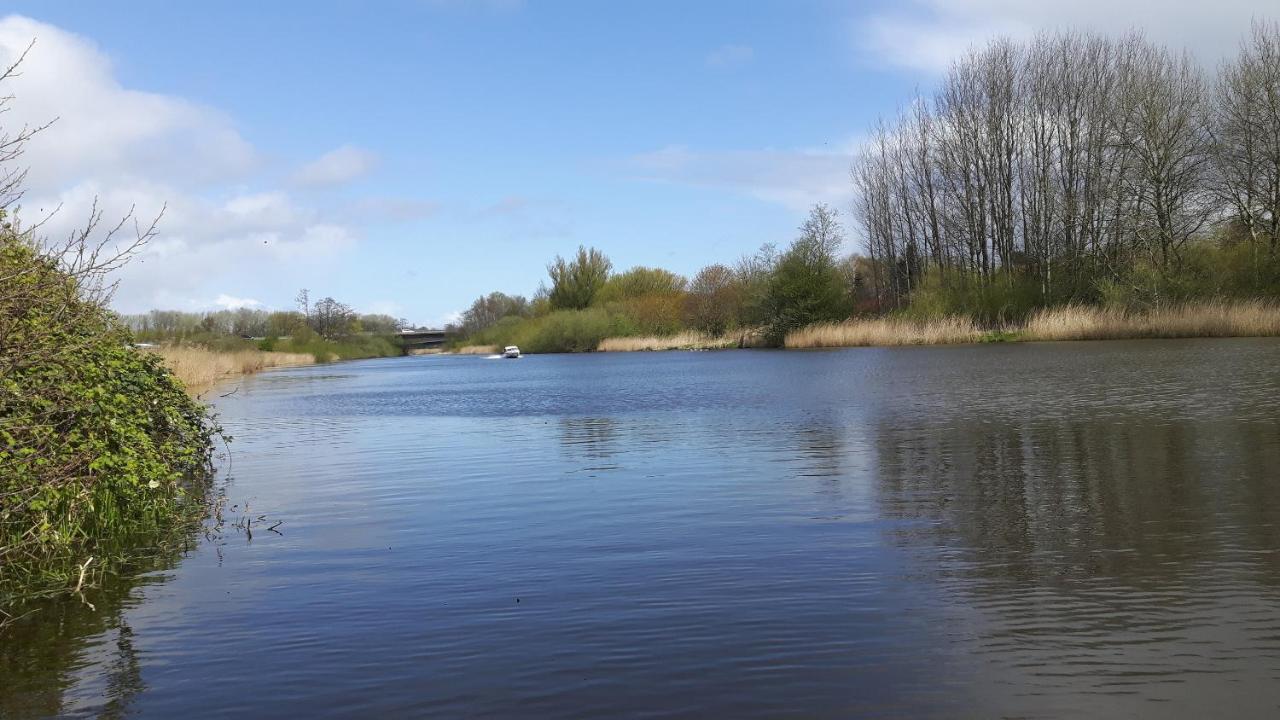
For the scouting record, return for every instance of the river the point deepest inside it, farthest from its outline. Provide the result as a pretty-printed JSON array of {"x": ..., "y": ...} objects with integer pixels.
[{"x": 1035, "y": 530}]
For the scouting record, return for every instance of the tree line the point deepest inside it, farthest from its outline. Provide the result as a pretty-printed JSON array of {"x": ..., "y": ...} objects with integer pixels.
[
  {"x": 1076, "y": 167},
  {"x": 766, "y": 294},
  {"x": 1069, "y": 168},
  {"x": 327, "y": 318}
]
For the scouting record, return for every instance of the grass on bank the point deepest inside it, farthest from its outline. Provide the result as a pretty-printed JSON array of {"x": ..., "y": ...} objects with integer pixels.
[
  {"x": 1212, "y": 319},
  {"x": 200, "y": 368},
  {"x": 688, "y": 340},
  {"x": 1253, "y": 318},
  {"x": 886, "y": 332}
]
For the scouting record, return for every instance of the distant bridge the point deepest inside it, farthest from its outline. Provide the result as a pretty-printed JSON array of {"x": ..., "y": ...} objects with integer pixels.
[{"x": 422, "y": 339}]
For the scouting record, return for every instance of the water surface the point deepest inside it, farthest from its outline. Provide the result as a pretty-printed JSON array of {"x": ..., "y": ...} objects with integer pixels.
[{"x": 1056, "y": 530}]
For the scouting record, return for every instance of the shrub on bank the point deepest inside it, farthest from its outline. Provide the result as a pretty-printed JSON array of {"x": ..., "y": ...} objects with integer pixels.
[{"x": 97, "y": 440}]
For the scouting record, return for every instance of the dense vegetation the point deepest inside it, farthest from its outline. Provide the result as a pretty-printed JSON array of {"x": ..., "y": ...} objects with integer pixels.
[
  {"x": 1076, "y": 168},
  {"x": 1070, "y": 170},
  {"x": 763, "y": 297},
  {"x": 98, "y": 441},
  {"x": 327, "y": 329}
]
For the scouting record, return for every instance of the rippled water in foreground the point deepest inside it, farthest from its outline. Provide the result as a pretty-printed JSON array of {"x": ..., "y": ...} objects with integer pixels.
[{"x": 1028, "y": 530}]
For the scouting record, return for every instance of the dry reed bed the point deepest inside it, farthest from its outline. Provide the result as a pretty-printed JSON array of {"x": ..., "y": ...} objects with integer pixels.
[
  {"x": 1214, "y": 319},
  {"x": 885, "y": 332},
  {"x": 688, "y": 340},
  {"x": 200, "y": 369}
]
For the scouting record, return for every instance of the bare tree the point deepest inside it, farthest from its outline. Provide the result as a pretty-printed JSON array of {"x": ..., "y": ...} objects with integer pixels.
[{"x": 1245, "y": 123}]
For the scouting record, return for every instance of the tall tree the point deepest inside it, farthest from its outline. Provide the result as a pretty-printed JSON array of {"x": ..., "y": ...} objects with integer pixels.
[{"x": 575, "y": 282}]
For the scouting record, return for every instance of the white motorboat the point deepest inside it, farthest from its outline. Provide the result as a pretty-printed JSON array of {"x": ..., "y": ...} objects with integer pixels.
[{"x": 511, "y": 351}]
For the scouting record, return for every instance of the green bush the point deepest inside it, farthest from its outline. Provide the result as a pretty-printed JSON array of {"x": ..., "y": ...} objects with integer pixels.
[
  {"x": 97, "y": 440},
  {"x": 1003, "y": 300},
  {"x": 805, "y": 288}
]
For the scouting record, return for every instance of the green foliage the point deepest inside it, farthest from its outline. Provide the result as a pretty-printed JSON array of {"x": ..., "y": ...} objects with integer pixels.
[
  {"x": 574, "y": 283},
  {"x": 1208, "y": 269},
  {"x": 1005, "y": 300},
  {"x": 808, "y": 286},
  {"x": 640, "y": 282},
  {"x": 489, "y": 309},
  {"x": 97, "y": 439},
  {"x": 1000, "y": 336},
  {"x": 801, "y": 293}
]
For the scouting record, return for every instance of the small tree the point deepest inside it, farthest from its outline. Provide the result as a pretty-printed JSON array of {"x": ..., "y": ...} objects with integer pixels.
[
  {"x": 808, "y": 286},
  {"x": 575, "y": 283},
  {"x": 303, "y": 299},
  {"x": 332, "y": 319},
  {"x": 714, "y": 299}
]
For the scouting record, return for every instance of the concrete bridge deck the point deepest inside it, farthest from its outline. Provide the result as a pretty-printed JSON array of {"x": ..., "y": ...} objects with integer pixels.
[{"x": 423, "y": 339}]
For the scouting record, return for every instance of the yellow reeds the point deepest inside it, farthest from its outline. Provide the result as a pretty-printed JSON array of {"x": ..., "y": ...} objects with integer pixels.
[
  {"x": 884, "y": 332},
  {"x": 200, "y": 368},
  {"x": 688, "y": 340},
  {"x": 1210, "y": 319}
]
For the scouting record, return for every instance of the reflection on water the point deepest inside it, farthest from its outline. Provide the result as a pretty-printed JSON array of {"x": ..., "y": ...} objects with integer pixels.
[
  {"x": 1127, "y": 558},
  {"x": 44, "y": 655},
  {"x": 1036, "y": 531}
]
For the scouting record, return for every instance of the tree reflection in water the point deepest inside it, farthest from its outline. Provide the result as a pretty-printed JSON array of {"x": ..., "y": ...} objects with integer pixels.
[{"x": 40, "y": 654}]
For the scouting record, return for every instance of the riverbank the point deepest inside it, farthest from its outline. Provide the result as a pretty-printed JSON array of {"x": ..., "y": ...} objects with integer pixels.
[
  {"x": 689, "y": 340},
  {"x": 1072, "y": 322},
  {"x": 200, "y": 368},
  {"x": 1244, "y": 319},
  {"x": 1249, "y": 318}
]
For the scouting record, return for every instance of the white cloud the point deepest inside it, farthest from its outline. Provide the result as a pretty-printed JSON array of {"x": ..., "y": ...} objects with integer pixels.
[
  {"x": 794, "y": 178},
  {"x": 337, "y": 167},
  {"x": 232, "y": 302},
  {"x": 131, "y": 150},
  {"x": 729, "y": 56},
  {"x": 102, "y": 128},
  {"x": 928, "y": 34}
]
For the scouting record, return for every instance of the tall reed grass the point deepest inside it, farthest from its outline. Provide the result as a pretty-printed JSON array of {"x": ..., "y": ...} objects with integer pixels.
[
  {"x": 886, "y": 332},
  {"x": 1212, "y": 319},
  {"x": 200, "y": 369},
  {"x": 688, "y": 340}
]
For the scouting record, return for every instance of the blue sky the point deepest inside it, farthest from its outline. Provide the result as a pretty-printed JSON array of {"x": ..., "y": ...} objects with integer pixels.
[{"x": 406, "y": 157}]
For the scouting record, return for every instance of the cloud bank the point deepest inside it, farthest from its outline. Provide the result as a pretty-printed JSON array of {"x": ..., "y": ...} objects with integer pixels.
[
  {"x": 223, "y": 226},
  {"x": 926, "y": 35}
]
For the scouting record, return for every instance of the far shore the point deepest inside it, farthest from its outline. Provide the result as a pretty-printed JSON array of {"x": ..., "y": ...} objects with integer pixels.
[
  {"x": 1255, "y": 318},
  {"x": 200, "y": 369}
]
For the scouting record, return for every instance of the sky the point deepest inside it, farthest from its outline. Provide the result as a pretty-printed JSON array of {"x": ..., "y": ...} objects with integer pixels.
[{"x": 407, "y": 157}]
